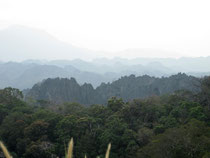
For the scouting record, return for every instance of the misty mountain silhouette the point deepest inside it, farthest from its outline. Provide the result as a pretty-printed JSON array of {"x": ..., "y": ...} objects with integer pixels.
[{"x": 18, "y": 43}]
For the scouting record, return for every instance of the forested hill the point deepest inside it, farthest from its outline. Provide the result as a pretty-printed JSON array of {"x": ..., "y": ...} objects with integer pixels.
[
  {"x": 61, "y": 90},
  {"x": 170, "y": 126}
]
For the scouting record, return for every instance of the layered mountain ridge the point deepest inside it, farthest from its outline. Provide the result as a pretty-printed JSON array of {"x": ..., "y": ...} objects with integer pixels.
[{"x": 59, "y": 90}]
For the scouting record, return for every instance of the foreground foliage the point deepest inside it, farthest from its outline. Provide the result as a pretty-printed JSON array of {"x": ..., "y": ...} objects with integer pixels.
[
  {"x": 170, "y": 126},
  {"x": 69, "y": 153}
]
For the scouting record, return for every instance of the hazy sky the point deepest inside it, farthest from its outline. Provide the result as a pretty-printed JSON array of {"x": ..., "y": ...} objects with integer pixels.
[{"x": 178, "y": 26}]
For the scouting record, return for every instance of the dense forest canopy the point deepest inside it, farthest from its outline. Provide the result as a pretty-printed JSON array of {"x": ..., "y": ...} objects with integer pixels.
[
  {"x": 61, "y": 90},
  {"x": 168, "y": 126}
]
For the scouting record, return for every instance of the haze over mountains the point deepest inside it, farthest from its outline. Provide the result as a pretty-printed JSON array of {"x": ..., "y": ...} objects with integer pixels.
[
  {"x": 18, "y": 43},
  {"x": 25, "y": 74}
]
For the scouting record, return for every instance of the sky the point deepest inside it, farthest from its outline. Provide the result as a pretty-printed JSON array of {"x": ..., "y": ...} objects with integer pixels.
[{"x": 172, "y": 27}]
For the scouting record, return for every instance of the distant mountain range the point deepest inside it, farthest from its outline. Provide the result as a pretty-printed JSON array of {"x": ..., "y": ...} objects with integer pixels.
[
  {"x": 61, "y": 90},
  {"x": 25, "y": 74},
  {"x": 22, "y": 76},
  {"x": 20, "y": 43}
]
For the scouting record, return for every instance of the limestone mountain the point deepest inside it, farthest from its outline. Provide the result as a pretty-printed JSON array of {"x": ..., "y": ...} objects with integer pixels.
[{"x": 61, "y": 90}]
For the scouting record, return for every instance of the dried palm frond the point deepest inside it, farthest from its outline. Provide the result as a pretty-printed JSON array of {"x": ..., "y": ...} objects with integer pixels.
[
  {"x": 108, "y": 151},
  {"x": 5, "y": 151},
  {"x": 70, "y": 149}
]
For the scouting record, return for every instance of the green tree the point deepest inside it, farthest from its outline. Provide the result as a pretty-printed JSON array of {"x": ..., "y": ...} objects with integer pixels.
[
  {"x": 189, "y": 141},
  {"x": 37, "y": 130},
  {"x": 115, "y": 104}
]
